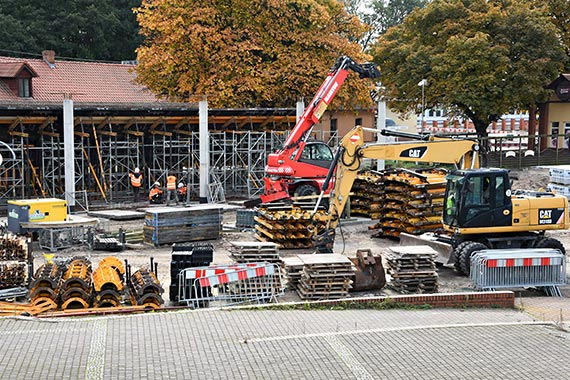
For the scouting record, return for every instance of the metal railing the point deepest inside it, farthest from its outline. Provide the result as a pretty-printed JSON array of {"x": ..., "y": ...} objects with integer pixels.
[
  {"x": 519, "y": 268},
  {"x": 226, "y": 285}
]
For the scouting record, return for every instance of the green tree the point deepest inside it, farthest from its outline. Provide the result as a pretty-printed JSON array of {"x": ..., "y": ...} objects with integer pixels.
[
  {"x": 247, "y": 52},
  {"x": 87, "y": 29},
  {"x": 481, "y": 58},
  {"x": 383, "y": 14},
  {"x": 559, "y": 10}
]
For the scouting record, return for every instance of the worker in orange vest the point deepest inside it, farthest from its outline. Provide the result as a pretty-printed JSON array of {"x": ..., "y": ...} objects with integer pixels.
[
  {"x": 155, "y": 194},
  {"x": 136, "y": 183},
  {"x": 171, "y": 189}
]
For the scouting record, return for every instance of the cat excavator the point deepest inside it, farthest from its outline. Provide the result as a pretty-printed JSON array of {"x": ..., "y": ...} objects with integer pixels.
[{"x": 480, "y": 209}]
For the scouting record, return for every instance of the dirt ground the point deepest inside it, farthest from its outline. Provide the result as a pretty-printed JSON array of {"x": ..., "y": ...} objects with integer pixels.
[{"x": 352, "y": 235}]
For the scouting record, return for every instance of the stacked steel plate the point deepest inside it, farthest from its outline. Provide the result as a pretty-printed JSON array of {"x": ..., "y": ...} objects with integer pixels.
[
  {"x": 167, "y": 225},
  {"x": 412, "y": 269},
  {"x": 288, "y": 225},
  {"x": 412, "y": 202},
  {"x": 367, "y": 195}
]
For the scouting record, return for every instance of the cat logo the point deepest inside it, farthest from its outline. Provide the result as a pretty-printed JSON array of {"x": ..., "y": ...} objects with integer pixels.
[
  {"x": 550, "y": 216},
  {"x": 417, "y": 152}
]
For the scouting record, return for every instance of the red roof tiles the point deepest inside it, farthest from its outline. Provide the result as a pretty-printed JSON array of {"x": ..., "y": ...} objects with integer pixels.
[{"x": 87, "y": 82}]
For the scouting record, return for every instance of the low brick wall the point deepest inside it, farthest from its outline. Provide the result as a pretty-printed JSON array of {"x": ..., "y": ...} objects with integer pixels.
[{"x": 501, "y": 299}]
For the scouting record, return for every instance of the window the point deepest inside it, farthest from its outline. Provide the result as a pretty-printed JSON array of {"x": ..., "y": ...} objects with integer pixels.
[
  {"x": 358, "y": 121},
  {"x": 334, "y": 126},
  {"x": 24, "y": 87}
]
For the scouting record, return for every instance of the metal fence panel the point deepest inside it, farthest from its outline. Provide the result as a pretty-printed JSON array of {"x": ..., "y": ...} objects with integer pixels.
[{"x": 519, "y": 268}]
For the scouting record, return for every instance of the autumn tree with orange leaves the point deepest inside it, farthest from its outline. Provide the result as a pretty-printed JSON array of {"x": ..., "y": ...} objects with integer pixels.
[{"x": 247, "y": 53}]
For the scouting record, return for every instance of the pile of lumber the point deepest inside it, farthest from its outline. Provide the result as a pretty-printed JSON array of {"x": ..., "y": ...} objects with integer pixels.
[
  {"x": 254, "y": 251},
  {"x": 412, "y": 269},
  {"x": 411, "y": 202},
  {"x": 288, "y": 225},
  {"x": 14, "y": 258},
  {"x": 167, "y": 225},
  {"x": 324, "y": 276}
]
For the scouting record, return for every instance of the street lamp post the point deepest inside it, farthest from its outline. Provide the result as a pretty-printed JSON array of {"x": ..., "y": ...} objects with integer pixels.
[{"x": 423, "y": 84}]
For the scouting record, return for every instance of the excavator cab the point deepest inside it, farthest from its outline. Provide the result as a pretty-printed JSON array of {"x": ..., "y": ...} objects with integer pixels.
[{"x": 478, "y": 198}]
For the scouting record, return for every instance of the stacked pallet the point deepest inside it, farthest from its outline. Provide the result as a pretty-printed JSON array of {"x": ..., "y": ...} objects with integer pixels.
[
  {"x": 412, "y": 269},
  {"x": 292, "y": 267},
  {"x": 14, "y": 257},
  {"x": 412, "y": 202},
  {"x": 167, "y": 225},
  {"x": 367, "y": 195},
  {"x": 325, "y": 276},
  {"x": 288, "y": 225},
  {"x": 254, "y": 251}
]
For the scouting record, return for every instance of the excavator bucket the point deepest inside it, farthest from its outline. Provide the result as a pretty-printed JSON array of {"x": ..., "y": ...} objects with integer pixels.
[
  {"x": 444, "y": 250},
  {"x": 369, "y": 271}
]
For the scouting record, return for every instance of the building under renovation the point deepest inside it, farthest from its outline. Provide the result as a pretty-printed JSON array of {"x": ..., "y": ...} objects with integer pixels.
[{"x": 118, "y": 125}]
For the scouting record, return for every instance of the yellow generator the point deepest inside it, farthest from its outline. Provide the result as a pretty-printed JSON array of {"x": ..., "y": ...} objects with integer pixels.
[{"x": 35, "y": 210}]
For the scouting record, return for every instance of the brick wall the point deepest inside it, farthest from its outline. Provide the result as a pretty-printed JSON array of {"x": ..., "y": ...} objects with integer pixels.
[{"x": 503, "y": 299}]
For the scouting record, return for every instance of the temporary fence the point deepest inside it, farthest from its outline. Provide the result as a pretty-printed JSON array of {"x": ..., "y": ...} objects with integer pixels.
[
  {"x": 226, "y": 285},
  {"x": 519, "y": 268}
]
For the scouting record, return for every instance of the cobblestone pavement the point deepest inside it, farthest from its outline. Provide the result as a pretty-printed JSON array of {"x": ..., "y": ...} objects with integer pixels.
[
  {"x": 551, "y": 309},
  {"x": 264, "y": 344}
]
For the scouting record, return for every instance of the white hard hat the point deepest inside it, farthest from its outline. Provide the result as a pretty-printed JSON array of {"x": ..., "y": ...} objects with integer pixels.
[
  {"x": 156, "y": 184},
  {"x": 180, "y": 185},
  {"x": 137, "y": 170}
]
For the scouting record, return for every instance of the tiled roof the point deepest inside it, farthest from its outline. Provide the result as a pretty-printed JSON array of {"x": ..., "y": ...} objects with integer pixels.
[{"x": 87, "y": 82}]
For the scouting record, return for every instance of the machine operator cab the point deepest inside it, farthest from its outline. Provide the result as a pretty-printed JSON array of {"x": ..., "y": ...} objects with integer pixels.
[
  {"x": 478, "y": 198},
  {"x": 316, "y": 153}
]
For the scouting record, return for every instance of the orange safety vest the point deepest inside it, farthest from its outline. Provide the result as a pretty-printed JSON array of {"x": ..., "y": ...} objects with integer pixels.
[
  {"x": 136, "y": 179},
  {"x": 153, "y": 191},
  {"x": 171, "y": 182}
]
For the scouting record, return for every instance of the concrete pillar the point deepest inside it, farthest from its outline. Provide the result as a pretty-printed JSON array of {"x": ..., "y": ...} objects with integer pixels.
[
  {"x": 204, "y": 151},
  {"x": 69, "y": 152},
  {"x": 380, "y": 125},
  {"x": 300, "y": 108}
]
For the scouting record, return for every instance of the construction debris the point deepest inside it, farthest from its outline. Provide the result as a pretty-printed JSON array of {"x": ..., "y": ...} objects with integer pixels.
[
  {"x": 412, "y": 269},
  {"x": 167, "y": 225},
  {"x": 402, "y": 200},
  {"x": 288, "y": 225}
]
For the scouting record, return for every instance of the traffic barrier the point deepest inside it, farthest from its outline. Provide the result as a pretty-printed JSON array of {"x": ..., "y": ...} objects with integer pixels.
[
  {"x": 519, "y": 268},
  {"x": 227, "y": 285}
]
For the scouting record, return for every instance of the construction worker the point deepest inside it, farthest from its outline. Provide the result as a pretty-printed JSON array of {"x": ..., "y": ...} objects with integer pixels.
[
  {"x": 136, "y": 183},
  {"x": 155, "y": 194},
  {"x": 171, "y": 189},
  {"x": 181, "y": 192}
]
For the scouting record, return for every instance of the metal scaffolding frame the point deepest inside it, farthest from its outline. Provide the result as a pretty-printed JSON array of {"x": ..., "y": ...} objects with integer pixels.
[{"x": 107, "y": 148}]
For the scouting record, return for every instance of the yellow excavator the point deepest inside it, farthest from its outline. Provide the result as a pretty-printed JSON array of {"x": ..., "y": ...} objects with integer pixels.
[{"x": 480, "y": 209}]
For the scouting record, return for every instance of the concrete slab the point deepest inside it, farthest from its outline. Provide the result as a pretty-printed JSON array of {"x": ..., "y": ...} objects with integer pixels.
[{"x": 118, "y": 214}]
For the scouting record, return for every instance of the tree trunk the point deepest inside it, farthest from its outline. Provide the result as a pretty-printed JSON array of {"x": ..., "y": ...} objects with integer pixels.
[{"x": 481, "y": 129}]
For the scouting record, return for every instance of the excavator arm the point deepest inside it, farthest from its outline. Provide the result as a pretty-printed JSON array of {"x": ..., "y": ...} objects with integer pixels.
[{"x": 463, "y": 153}]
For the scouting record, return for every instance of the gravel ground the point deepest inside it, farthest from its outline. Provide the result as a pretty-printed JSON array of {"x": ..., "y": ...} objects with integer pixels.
[{"x": 353, "y": 235}]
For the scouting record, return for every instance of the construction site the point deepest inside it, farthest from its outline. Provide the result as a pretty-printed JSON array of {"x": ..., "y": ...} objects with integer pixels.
[{"x": 289, "y": 195}]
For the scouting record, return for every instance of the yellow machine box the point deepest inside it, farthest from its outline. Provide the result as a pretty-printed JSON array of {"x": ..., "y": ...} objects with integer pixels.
[{"x": 35, "y": 210}]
